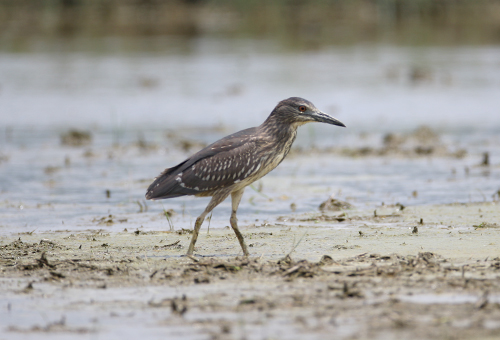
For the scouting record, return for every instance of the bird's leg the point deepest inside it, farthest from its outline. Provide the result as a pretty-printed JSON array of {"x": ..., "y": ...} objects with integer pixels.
[
  {"x": 196, "y": 230},
  {"x": 235, "y": 202},
  {"x": 216, "y": 199}
]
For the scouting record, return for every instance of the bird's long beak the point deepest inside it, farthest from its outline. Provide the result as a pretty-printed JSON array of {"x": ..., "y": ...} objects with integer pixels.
[{"x": 324, "y": 118}]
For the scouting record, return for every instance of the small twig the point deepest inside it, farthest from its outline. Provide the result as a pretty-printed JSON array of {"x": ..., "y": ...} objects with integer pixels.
[
  {"x": 192, "y": 258},
  {"x": 143, "y": 207},
  {"x": 463, "y": 270},
  {"x": 170, "y": 224},
  {"x": 209, "y": 218},
  {"x": 167, "y": 215},
  {"x": 172, "y": 244},
  {"x": 292, "y": 270},
  {"x": 296, "y": 245}
]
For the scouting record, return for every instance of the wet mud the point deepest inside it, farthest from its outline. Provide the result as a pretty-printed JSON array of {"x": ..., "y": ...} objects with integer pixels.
[{"x": 420, "y": 272}]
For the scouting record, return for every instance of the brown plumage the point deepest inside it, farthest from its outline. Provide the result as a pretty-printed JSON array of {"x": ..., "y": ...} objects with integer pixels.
[{"x": 227, "y": 166}]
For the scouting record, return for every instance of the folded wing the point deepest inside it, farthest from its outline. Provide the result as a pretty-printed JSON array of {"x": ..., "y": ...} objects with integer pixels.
[{"x": 219, "y": 165}]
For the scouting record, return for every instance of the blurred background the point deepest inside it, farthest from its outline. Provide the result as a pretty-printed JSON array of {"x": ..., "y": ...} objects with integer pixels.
[{"x": 98, "y": 97}]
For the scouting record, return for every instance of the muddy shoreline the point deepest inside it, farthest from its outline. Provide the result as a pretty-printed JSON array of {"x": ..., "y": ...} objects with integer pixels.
[{"x": 423, "y": 272}]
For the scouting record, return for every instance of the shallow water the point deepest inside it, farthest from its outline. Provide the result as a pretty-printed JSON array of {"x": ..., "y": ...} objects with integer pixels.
[
  {"x": 226, "y": 85},
  {"x": 73, "y": 196}
]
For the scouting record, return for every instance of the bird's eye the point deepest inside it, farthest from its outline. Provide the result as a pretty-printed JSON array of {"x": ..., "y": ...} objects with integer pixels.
[{"x": 302, "y": 108}]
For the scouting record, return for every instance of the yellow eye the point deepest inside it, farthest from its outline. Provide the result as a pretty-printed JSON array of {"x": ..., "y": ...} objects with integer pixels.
[{"x": 302, "y": 108}]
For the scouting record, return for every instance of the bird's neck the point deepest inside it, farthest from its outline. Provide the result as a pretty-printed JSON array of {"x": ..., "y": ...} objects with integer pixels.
[{"x": 283, "y": 133}]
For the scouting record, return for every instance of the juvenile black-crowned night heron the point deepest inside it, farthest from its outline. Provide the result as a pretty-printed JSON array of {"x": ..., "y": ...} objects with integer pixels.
[{"x": 227, "y": 166}]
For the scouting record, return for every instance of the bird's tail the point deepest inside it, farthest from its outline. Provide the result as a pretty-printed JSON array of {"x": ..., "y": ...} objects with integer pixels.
[{"x": 165, "y": 185}]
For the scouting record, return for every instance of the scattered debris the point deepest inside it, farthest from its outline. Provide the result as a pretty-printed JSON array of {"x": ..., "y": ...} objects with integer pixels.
[
  {"x": 174, "y": 245},
  {"x": 76, "y": 138},
  {"x": 179, "y": 306},
  {"x": 143, "y": 207},
  {"x": 388, "y": 210},
  {"x": 423, "y": 141},
  {"x": 486, "y": 225},
  {"x": 108, "y": 220},
  {"x": 314, "y": 218},
  {"x": 486, "y": 159},
  {"x": 333, "y": 204},
  {"x": 50, "y": 170},
  {"x": 184, "y": 231}
]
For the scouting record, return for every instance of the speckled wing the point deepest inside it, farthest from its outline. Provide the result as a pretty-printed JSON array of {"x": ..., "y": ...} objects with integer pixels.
[{"x": 219, "y": 165}]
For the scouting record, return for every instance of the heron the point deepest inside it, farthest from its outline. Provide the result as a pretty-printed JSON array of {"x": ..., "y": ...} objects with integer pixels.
[{"x": 227, "y": 166}]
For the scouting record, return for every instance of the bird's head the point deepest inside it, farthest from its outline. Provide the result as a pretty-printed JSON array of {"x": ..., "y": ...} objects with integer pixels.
[{"x": 298, "y": 111}]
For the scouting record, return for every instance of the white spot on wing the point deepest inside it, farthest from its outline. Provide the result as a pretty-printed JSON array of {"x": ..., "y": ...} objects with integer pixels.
[
  {"x": 257, "y": 168},
  {"x": 249, "y": 171}
]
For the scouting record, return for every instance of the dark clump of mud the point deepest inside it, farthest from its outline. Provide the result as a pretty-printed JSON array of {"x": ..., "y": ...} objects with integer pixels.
[
  {"x": 333, "y": 204},
  {"x": 423, "y": 141},
  {"x": 76, "y": 138}
]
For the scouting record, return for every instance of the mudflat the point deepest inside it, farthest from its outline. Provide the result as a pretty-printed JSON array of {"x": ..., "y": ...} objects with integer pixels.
[{"x": 416, "y": 272}]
